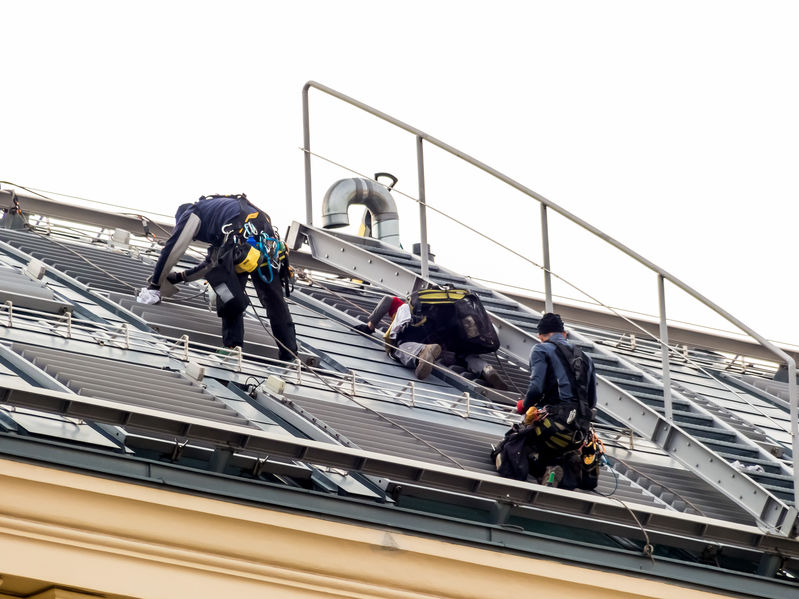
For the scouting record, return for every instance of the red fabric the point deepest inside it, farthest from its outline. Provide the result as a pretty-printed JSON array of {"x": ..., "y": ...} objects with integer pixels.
[
  {"x": 395, "y": 305},
  {"x": 520, "y": 406}
]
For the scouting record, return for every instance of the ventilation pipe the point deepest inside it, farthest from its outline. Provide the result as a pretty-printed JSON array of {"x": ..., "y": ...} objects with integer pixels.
[{"x": 374, "y": 196}]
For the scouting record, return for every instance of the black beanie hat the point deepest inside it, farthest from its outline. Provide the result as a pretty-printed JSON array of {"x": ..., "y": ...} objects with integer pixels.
[{"x": 550, "y": 323}]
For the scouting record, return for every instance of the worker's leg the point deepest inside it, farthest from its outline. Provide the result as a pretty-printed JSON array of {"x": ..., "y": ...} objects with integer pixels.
[
  {"x": 407, "y": 352},
  {"x": 233, "y": 324},
  {"x": 418, "y": 356},
  {"x": 479, "y": 366},
  {"x": 381, "y": 309},
  {"x": 233, "y": 330},
  {"x": 271, "y": 298}
]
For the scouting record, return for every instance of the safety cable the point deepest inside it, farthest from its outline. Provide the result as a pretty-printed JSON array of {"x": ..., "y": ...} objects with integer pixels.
[
  {"x": 590, "y": 303},
  {"x": 505, "y": 372},
  {"x": 615, "y": 486},
  {"x": 66, "y": 195},
  {"x": 671, "y": 349},
  {"x": 146, "y": 221},
  {"x": 85, "y": 259},
  {"x": 648, "y": 549},
  {"x": 340, "y": 392}
]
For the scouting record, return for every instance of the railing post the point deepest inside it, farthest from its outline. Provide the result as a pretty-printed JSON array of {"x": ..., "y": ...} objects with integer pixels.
[
  {"x": 422, "y": 207},
  {"x": 185, "y": 339},
  {"x": 793, "y": 397},
  {"x": 127, "y": 335},
  {"x": 353, "y": 383},
  {"x": 547, "y": 277},
  {"x": 468, "y": 399},
  {"x": 10, "y": 313},
  {"x": 306, "y": 144},
  {"x": 664, "y": 348},
  {"x": 69, "y": 325},
  {"x": 299, "y": 371},
  {"x": 413, "y": 394}
]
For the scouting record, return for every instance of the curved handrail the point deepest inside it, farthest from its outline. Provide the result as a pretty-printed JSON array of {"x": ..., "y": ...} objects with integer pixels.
[{"x": 421, "y": 135}]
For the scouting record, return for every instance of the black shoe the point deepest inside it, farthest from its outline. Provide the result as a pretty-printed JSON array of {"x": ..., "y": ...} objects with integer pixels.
[{"x": 491, "y": 376}]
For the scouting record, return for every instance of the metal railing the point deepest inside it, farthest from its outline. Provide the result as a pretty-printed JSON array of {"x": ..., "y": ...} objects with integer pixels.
[{"x": 662, "y": 275}]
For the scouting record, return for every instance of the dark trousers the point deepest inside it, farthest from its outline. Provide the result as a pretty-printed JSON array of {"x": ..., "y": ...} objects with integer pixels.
[{"x": 271, "y": 297}]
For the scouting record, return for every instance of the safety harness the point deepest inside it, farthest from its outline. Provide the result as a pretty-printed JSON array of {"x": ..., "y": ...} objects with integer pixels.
[{"x": 247, "y": 247}]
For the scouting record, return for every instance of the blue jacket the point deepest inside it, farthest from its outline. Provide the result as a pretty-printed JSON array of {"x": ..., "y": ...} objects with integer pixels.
[{"x": 549, "y": 381}]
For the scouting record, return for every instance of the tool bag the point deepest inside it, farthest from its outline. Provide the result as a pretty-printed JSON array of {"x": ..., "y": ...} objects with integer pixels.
[
  {"x": 231, "y": 299},
  {"x": 455, "y": 318},
  {"x": 581, "y": 467}
]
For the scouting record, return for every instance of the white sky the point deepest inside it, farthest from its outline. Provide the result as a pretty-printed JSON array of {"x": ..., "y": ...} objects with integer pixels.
[{"x": 672, "y": 126}]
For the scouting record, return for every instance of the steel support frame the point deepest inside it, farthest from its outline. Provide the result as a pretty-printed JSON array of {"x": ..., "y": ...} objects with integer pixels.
[
  {"x": 793, "y": 387},
  {"x": 352, "y": 260}
]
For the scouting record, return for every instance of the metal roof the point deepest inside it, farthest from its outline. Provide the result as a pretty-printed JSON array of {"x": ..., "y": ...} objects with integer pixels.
[{"x": 115, "y": 376}]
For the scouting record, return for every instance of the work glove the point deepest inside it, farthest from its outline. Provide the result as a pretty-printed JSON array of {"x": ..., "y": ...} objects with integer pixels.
[
  {"x": 520, "y": 406},
  {"x": 176, "y": 277},
  {"x": 148, "y": 296}
]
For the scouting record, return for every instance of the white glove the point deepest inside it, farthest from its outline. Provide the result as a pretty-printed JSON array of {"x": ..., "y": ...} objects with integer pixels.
[{"x": 148, "y": 296}]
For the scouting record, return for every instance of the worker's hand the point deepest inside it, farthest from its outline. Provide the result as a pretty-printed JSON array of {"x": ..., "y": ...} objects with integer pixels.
[
  {"x": 520, "y": 406},
  {"x": 176, "y": 277},
  {"x": 148, "y": 296}
]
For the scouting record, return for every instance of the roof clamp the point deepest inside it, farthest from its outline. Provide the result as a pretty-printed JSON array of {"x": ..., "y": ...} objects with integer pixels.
[
  {"x": 35, "y": 269},
  {"x": 120, "y": 238},
  {"x": 275, "y": 384},
  {"x": 258, "y": 467},
  {"x": 194, "y": 371},
  {"x": 177, "y": 450}
]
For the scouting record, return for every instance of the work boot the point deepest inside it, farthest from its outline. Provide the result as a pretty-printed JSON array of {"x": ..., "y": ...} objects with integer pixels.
[
  {"x": 552, "y": 476},
  {"x": 425, "y": 360},
  {"x": 224, "y": 352},
  {"x": 491, "y": 376}
]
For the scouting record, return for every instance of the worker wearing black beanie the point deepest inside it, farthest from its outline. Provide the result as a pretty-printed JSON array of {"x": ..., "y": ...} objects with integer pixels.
[{"x": 550, "y": 323}]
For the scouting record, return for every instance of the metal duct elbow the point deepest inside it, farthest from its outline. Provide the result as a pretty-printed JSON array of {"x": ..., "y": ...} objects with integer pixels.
[{"x": 375, "y": 197}]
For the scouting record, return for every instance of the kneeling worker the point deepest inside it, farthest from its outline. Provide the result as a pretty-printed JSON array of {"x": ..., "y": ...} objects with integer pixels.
[
  {"x": 562, "y": 392},
  {"x": 242, "y": 244}
]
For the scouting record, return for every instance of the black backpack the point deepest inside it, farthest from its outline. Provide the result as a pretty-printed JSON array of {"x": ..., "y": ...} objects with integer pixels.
[
  {"x": 455, "y": 318},
  {"x": 578, "y": 367}
]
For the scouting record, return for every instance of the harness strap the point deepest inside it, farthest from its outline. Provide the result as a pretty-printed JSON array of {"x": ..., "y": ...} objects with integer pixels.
[{"x": 582, "y": 406}]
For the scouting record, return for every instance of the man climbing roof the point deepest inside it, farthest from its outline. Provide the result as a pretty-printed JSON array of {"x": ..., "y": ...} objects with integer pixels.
[{"x": 242, "y": 245}]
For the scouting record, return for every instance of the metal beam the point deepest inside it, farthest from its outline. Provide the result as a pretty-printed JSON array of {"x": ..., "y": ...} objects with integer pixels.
[{"x": 132, "y": 222}]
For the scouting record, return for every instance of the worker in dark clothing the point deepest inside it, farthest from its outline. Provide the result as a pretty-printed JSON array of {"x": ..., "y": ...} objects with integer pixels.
[
  {"x": 422, "y": 352},
  {"x": 242, "y": 245},
  {"x": 559, "y": 401}
]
